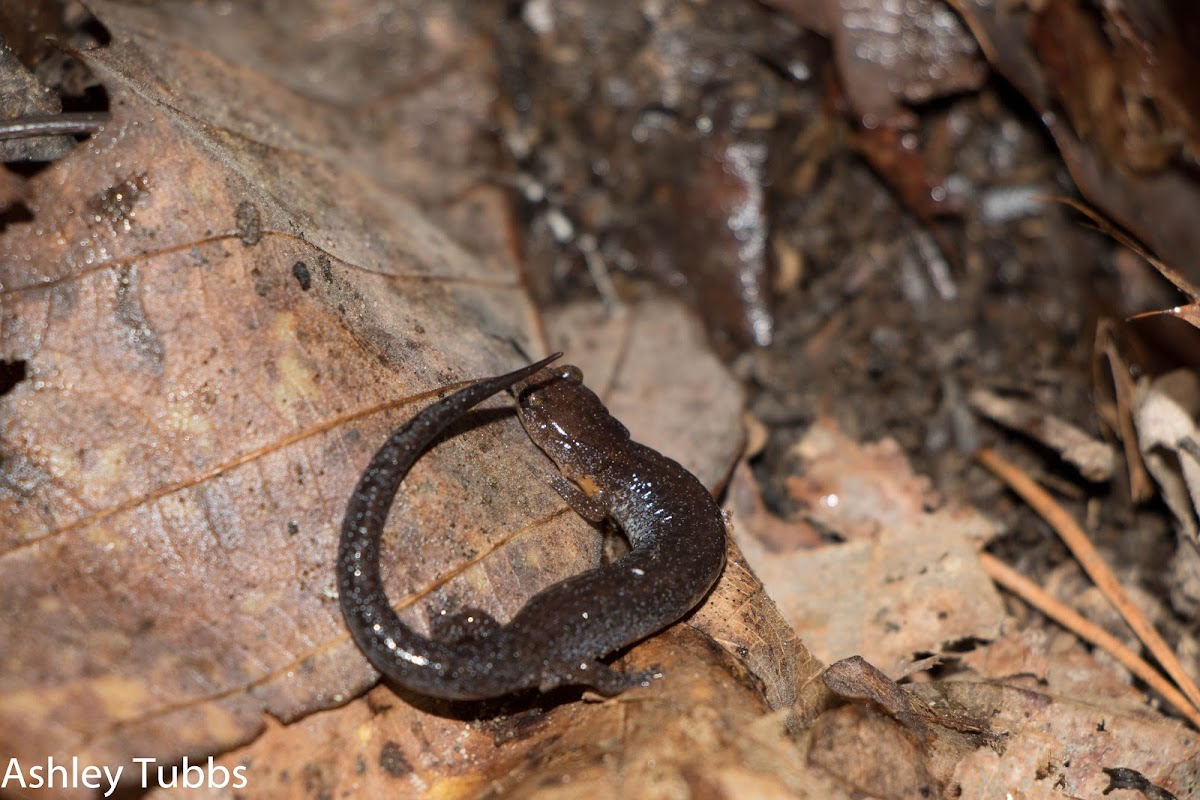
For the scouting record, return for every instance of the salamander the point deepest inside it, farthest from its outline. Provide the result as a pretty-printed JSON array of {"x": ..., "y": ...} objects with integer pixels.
[{"x": 675, "y": 529}]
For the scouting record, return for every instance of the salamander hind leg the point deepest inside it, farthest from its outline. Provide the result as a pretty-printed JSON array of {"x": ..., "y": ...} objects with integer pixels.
[
  {"x": 468, "y": 624},
  {"x": 602, "y": 678}
]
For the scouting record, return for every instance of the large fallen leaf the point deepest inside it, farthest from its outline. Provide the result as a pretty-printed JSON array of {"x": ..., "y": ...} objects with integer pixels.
[{"x": 219, "y": 321}]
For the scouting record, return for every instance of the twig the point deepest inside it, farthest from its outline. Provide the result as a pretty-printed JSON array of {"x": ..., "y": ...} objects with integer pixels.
[
  {"x": 1089, "y": 558},
  {"x": 1087, "y": 630},
  {"x": 51, "y": 125}
]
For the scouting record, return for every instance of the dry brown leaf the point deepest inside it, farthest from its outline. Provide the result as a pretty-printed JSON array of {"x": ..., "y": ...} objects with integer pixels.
[
  {"x": 1114, "y": 387},
  {"x": 1164, "y": 413},
  {"x": 401, "y": 93},
  {"x": 1165, "y": 410},
  {"x": 745, "y": 620},
  {"x": 911, "y": 753},
  {"x": 1049, "y": 744},
  {"x": 905, "y": 586},
  {"x": 1055, "y": 662},
  {"x": 1094, "y": 459},
  {"x": 1189, "y": 313},
  {"x": 1057, "y": 747},
  {"x": 873, "y": 754},
  {"x": 860, "y": 490},
  {"x": 211, "y": 316},
  {"x": 895, "y": 602},
  {"x": 718, "y": 743}
]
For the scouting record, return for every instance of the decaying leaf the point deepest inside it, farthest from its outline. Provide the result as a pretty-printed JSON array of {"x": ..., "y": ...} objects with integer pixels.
[
  {"x": 856, "y": 679},
  {"x": 1094, "y": 459},
  {"x": 1057, "y": 663},
  {"x": 1057, "y": 747},
  {"x": 1189, "y": 313},
  {"x": 913, "y": 752},
  {"x": 904, "y": 586},
  {"x": 1051, "y": 717},
  {"x": 1165, "y": 413},
  {"x": 215, "y": 316},
  {"x": 892, "y": 54},
  {"x": 702, "y": 732}
]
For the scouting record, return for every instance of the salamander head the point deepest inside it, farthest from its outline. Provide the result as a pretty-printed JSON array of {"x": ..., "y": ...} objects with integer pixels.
[{"x": 567, "y": 420}]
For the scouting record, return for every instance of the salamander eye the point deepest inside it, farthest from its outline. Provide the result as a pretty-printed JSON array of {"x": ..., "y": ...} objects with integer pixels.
[{"x": 571, "y": 373}]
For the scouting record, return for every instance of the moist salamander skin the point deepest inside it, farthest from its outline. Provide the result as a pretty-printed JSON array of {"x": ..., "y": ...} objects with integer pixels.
[{"x": 675, "y": 529}]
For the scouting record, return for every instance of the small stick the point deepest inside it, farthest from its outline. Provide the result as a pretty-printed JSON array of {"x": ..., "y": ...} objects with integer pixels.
[
  {"x": 1089, "y": 558},
  {"x": 1087, "y": 630},
  {"x": 51, "y": 125}
]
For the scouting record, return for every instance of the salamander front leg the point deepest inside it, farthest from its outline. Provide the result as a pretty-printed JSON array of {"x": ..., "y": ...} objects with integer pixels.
[{"x": 590, "y": 507}]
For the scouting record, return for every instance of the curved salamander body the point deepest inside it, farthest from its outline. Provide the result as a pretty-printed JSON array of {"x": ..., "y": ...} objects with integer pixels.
[{"x": 675, "y": 528}]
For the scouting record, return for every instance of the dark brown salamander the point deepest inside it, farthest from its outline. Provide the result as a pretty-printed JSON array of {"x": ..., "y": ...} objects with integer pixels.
[{"x": 675, "y": 529}]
